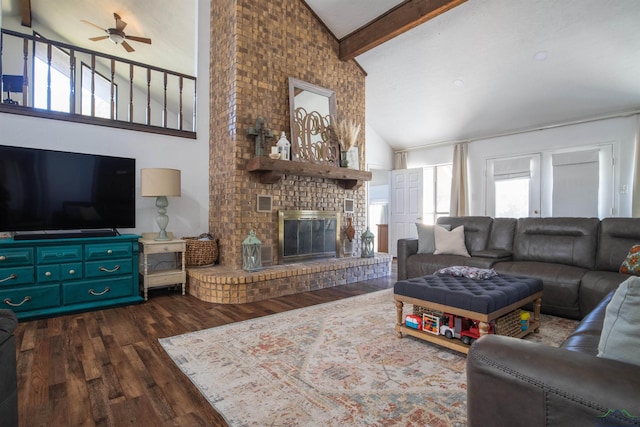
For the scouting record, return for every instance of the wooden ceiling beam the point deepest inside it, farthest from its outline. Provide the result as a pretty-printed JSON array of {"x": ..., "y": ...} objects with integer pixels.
[
  {"x": 396, "y": 21},
  {"x": 25, "y": 12}
]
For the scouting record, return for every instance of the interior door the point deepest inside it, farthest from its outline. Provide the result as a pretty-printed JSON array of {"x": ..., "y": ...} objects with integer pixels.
[{"x": 406, "y": 205}]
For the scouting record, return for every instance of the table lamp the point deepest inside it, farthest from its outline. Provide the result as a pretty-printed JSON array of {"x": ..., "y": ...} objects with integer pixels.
[{"x": 160, "y": 183}]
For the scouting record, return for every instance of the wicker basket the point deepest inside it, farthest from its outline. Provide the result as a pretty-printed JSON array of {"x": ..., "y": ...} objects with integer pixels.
[
  {"x": 509, "y": 324},
  {"x": 201, "y": 252}
]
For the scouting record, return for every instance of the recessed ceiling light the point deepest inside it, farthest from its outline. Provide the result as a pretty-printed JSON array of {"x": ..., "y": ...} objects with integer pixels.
[
  {"x": 541, "y": 55},
  {"x": 458, "y": 82}
]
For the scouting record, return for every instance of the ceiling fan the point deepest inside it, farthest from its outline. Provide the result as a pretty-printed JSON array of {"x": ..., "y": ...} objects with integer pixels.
[{"x": 117, "y": 34}]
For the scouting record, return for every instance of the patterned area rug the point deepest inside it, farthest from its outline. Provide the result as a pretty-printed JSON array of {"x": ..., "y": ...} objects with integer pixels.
[{"x": 335, "y": 364}]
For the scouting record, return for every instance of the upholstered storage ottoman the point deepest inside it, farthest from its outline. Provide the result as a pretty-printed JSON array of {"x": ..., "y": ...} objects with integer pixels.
[{"x": 481, "y": 300}]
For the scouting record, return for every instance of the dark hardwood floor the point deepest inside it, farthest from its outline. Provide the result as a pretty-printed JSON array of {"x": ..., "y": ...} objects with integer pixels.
[{"x": 106, "y": 368}]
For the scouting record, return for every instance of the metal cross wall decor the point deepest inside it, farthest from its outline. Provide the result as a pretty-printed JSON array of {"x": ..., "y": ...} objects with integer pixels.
[{"x": 261, "y": 133}]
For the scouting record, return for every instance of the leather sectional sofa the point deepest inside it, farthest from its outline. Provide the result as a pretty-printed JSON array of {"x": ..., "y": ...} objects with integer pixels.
[
  {"x": 577, "y": 258},
  {"x": 517, "y": 382}
]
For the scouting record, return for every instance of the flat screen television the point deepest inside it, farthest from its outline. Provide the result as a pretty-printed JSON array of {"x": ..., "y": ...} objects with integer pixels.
[{"x": 44, "y": 191}]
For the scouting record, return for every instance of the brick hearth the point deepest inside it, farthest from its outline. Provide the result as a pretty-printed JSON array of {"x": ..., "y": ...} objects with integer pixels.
[{"x": 231, "y": 286}]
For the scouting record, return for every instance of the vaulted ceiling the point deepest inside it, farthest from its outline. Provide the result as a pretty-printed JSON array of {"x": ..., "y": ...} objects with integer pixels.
[
  {"x": 437, "y": 70},
  {"x": 170, "y": 27}
]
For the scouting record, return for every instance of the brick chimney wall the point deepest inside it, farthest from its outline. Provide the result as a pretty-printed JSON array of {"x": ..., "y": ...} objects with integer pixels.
[{"x": 256, "y": 45}]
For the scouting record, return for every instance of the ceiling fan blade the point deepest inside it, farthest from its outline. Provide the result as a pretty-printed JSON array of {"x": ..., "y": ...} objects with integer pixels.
[
  {"x": 127, "y": 46},
  {"x": 120, "y": 24},
  {"x": 95, "y": 39},
  {"x": 93, "y": 25},
  {"x": 139, "y": 39}
]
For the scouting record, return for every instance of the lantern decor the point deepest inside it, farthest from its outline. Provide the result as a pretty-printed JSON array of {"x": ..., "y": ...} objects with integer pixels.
[
  {"x": 284, "y": 147},
  {"x": 251, "y": 253},
  {"x": 367, "y": 244}
]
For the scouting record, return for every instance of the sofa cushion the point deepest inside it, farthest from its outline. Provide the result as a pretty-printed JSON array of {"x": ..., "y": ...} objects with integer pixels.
[
  {"x": 631, "y": 264},
  {"x": 595, "y": 285},
  {"x": 476, "y": 229},
  {"x": 586, "y": 337},
  {"x": 616, "y": 236},
  {"x": 450, "y": 242},
  {"x": 426, "y": 239},
  {"x": 620, "y": 339},
  {"x": 502, "y": 232},
  {"x": 570, "y": 241},
  {"x": 561, "y": 284}
]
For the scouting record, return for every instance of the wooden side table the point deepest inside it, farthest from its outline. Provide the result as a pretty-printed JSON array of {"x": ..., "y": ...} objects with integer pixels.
[{"x": 166, "y": 277}]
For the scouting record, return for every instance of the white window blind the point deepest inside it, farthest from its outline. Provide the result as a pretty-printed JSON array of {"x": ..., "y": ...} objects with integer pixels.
[
  {"x": 514, "y": 167},
  {"x": 575, "y": 183}
]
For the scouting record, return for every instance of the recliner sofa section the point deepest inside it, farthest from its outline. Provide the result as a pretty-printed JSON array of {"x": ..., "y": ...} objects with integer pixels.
[{"x": 559, "y": 251}]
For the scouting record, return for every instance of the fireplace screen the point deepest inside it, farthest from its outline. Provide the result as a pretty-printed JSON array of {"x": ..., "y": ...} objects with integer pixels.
[{"x": 307, "y": 235}]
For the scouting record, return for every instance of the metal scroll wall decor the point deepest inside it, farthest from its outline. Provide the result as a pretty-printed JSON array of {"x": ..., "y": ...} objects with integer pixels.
[{"x": 314, "y": 141}]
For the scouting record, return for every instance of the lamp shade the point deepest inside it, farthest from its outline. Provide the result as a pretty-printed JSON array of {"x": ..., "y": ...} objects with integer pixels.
[{"x": 156, "y": 182}]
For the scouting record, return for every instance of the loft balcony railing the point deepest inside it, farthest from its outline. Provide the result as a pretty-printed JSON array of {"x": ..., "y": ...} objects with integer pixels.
[{"x": 45, "y": 78}]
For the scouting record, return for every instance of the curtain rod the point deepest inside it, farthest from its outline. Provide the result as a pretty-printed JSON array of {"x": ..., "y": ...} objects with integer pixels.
[{"x": 515, "y": 132}]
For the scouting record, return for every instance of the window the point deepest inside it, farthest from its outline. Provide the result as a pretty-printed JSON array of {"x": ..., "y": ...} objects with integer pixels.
[
  {"x": 512, "y": 197},
  {"x": 513, "y": 186},
  {"x": 102, "y": 94},
  {"x": 60, "y": 78},
  {"x": 437, "y": 192}
]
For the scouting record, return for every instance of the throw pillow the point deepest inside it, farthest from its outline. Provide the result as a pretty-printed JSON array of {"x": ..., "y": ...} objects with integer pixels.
[
  {"x": 450, "y": 242},
  {"x": 620, "y": 338},
  {"x": 631, "y": 264},
  {"x": 426, "y": 240}
]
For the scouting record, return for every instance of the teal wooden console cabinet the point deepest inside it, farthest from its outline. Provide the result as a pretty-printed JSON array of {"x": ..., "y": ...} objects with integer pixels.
[{"x": 49, "y": 277}]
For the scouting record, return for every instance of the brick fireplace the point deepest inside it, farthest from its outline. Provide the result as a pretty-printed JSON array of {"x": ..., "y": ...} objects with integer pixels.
[{"x": 256, "y": 47}]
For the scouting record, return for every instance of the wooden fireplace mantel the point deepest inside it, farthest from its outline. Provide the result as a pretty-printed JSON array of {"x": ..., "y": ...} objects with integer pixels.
[{"x": 272, "y": 170}]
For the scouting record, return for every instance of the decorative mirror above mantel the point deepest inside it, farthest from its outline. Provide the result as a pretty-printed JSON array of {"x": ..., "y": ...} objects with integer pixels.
[
  {"x": 311, "y": 108},
  {"x": 314, "y": 147}
]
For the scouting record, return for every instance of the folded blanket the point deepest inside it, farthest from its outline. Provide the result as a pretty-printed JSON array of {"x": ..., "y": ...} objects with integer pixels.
[{"x": 470, "y": 272}]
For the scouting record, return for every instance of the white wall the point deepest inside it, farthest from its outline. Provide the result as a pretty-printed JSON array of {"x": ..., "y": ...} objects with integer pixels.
[
  {"x": 379, "y": 154},
  {"x": 189, "y": 214},
  {"x": 618, "y": 131}
]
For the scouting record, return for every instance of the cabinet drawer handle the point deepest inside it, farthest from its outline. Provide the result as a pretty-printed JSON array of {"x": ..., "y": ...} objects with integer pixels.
[
  {"x": 116, "y": 268},
  {"x": 48, "y": 274},
  {"x": 3, "y": 258},
  {"x": 109, "y": 251},
  {"x": 92, "y": 292},
  {"x": 8, "y": 301},
  {"x": 11, "y": 277},
  {"x": 72, "y": 272}
]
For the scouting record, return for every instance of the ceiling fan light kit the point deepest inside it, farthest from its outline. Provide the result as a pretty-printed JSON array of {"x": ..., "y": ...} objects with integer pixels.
[{"x": 117, "y": 34}]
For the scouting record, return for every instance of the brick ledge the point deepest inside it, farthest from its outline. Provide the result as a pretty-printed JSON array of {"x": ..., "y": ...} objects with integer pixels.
[{"x": 224, "y": 285}]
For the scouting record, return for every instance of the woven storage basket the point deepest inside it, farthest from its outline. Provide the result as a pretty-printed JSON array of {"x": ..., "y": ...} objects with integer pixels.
[
  {"x": 201, "y": 252},
  {"x": 509, "y": 324}
]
